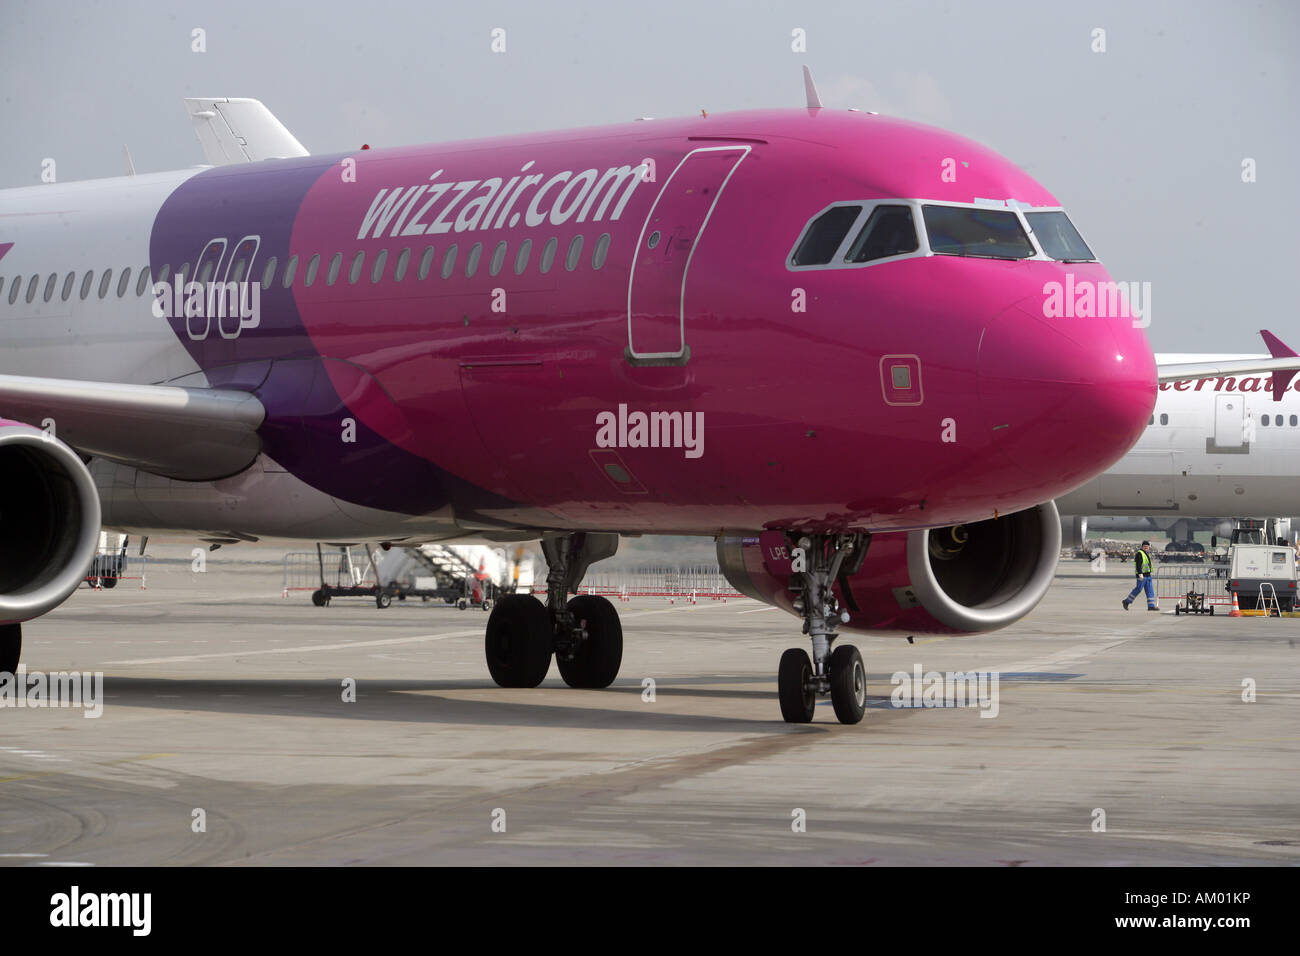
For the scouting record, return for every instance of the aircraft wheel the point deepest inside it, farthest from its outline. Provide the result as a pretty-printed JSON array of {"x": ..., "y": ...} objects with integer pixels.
[
  {"x": 383, "y": 599},
  {"x": 518, "y": 642},
  {"x": 798, "y": 701},
  {"x": 598, "y": 657},
  {"x": 848, "y": 684},
  {"x": 319, "y": 599},
  {"x": 11, "y": 647}
]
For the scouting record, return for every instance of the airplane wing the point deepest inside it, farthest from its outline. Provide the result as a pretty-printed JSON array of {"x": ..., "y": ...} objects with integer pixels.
[
  {"x": 193, "y": 434},
  {"x": 1283, "y": 366},
  {"x": 240, "y": 131}
]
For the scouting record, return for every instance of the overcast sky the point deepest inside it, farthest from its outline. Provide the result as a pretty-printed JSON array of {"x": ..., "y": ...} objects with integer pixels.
[{"x": 1143, "y": 143}]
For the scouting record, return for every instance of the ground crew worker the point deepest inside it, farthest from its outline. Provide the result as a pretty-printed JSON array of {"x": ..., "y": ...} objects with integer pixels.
[{"x": 1142, "y": 568}]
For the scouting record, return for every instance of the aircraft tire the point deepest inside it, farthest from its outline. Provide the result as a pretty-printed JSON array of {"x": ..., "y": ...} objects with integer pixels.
[
  {"x": 848, "y": 684},
  {"x": 798, "y": 702},
  {"x": 601, "y": 654},
  {"x": 518, "y": 642}
]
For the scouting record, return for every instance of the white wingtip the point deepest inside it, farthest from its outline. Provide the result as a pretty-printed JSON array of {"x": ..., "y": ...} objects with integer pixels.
[{"x": 810, "y": 90}]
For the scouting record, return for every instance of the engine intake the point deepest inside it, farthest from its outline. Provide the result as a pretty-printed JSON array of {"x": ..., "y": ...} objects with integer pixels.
[
  {"x": 49, "y": 522},
  {"x": 963, "y": 579}
]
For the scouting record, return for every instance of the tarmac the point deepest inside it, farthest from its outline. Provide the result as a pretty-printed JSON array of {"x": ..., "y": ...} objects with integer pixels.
[{"x": 227, "y": 737}]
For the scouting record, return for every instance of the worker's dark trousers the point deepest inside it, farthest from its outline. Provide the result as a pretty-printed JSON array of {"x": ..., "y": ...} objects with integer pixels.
[{"x": 1144, "y": 582}]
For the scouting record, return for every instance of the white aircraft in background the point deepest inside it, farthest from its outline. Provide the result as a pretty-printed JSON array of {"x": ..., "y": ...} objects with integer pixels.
[{"x": 1214, "y": 448}]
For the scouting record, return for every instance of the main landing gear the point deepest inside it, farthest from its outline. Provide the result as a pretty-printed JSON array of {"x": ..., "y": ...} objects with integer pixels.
[
  {"x": 819, "y": 560},
  {"x": 11, "y": 647},
  {"x": 584, "y": 634}
]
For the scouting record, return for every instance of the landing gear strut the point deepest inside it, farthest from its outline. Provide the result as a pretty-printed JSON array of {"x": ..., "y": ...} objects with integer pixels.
[
  {"x": 819, "y": 560},
  {"x": 584, "y": 634},
  {"x": 11, "y": 647}
]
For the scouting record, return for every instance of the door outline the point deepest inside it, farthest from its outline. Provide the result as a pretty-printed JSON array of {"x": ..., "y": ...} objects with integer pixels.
[{"x": 682, "y": 353}]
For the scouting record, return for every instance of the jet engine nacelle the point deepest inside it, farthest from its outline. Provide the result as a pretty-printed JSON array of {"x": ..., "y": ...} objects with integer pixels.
[
  {"x": 973, "y": 577},
  {"x": 49, "y": 522}
]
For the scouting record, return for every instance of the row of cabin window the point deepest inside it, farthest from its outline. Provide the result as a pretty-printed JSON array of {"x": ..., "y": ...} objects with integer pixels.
[
  {"x": 1293, "y": 420},
  {"x": 572, "y": 259}
]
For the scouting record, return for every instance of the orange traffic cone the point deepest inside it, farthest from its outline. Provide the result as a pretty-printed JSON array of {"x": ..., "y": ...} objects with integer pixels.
[{"x": 1236, "y": 608}]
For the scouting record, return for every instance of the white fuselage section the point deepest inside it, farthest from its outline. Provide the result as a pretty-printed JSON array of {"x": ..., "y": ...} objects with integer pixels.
[{"x": 1207, "y": 453}]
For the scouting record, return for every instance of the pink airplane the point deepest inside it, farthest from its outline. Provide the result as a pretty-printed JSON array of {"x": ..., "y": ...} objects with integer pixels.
[{"x": 816, "y": 335}]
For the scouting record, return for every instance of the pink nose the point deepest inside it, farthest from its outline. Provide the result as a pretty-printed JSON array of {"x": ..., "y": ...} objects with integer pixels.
[{"x": 1064, "y": 398}]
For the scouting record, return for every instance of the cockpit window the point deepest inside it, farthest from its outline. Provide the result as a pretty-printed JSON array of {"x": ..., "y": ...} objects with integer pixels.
[
  {"x": 825, "y": 235},
  {"x": 889, "y": 232},
  {"x": 1058, "y": 237},
  {"x": 982, "y": 233}
]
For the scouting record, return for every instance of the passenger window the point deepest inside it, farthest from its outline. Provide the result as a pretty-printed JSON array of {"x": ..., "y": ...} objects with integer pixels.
[
  {"x": 1264, "y": 420},
  {"x": 237, "y": 274},
  {"x": 354, "y": 272},
  {"x": 123, "y": 281},
  {"x": 521, "y": 257},
  {"x": 825, "y": 235},
  {"x": 164, "y": 271},
  {"x": 336, "y": 264},
  {"x": 498, "y": 258},
  {"x": 471, "y": 261},
  {"x": 449, "y": 261},
  {"x": 268, "y": 274},
  {"x": 2, "y": 285},
  {"x": 889, "y": 232},
  {"x": 399, "y": 271},
  {"x": 104, "y": 281},
  {"x": 15, "y": 286},
  {"x": 85, "y": 285},
  {"x": 205, "y": 272},
  {"x": 49, "y": 285},
  {"x": 377, "y": 270},
  {"x": 1277, "y": 420},
  {"x": 979, "y": 233},
  {"x": 574, "y": 254},
  {"x": 548, "y": 255},
  {"x": 602, "y": 250},
  {"x": 290, "y": 270},
  {"x": 1164, "y": 419},
  {"x": 426, "y": 263},
  {"x": 313, "y": 266},
  {"x": 143, "y": 282},
  {"x": 1294, "y": 421},
  {"x": 184, "y": 273}
]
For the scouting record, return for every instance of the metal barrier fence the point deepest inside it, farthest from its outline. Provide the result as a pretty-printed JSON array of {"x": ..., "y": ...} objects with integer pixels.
[
  {"x": 1194, "y": 589},
  {"x": 686, "y": 584},
  {"x": 110, "y": 567},
  {"x": 307, "y": 570}
]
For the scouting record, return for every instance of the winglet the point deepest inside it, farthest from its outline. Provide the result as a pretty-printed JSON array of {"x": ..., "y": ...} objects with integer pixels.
[
  {"x": 240, "y": 131},
  {"x": 1278, "y": 349},
  {"x": 810, "y": 90}
]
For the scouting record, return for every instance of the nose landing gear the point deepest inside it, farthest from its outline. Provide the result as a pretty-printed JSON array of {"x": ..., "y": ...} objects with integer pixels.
[{"x": 819, "y": 560}]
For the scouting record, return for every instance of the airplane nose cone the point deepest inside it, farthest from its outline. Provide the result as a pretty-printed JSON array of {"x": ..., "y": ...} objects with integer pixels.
[{"x": 1064, "y": 399}]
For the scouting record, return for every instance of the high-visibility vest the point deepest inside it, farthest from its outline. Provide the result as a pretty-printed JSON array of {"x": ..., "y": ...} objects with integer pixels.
[{"x": 1144, "y": 563}]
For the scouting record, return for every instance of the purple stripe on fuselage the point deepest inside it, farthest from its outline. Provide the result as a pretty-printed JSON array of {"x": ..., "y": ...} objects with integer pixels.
[{"x": 271, "y": 354}]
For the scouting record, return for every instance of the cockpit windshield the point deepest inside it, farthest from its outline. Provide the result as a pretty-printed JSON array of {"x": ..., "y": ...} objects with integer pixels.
[
  {"x": 888, "y": 232},
  {"x": 1058, "y": 237},
  {"x": 982, "y": 233}
]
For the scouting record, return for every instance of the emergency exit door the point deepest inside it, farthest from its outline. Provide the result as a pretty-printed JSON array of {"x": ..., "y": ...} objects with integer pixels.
[{"x": 658, "y": 292}]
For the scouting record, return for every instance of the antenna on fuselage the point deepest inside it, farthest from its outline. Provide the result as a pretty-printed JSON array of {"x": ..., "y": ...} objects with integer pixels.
[{"x": 810, "y": 90}]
